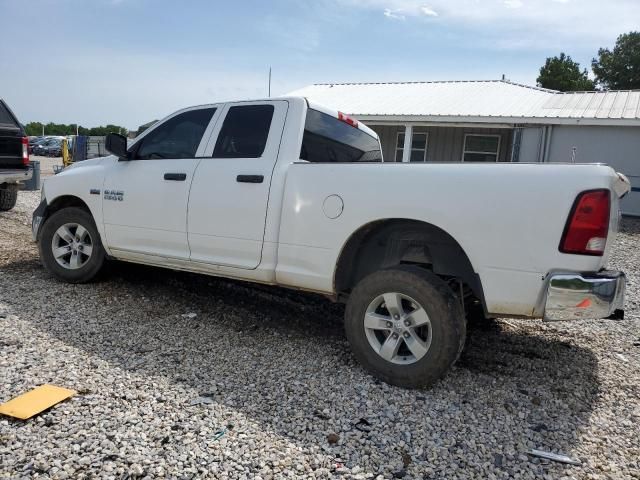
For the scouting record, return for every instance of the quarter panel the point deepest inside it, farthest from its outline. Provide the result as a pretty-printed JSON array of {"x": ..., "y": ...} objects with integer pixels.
[{"x": 508, "y": 218}]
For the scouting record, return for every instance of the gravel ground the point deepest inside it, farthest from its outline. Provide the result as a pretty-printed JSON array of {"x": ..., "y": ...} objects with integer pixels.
[{"x": 163, "y": 360}]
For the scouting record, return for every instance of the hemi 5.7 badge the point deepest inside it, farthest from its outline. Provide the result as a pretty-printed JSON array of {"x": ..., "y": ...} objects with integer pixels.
[{"x": 114, "y": 195}]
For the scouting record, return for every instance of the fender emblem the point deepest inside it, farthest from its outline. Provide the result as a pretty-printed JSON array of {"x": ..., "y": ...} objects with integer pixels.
[{"x": 117, "y": 195}]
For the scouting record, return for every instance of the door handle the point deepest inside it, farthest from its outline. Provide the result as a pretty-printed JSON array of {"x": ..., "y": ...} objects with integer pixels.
[
  {"x": 179, "y": 177},
  {"x": 250, "y": 178}
]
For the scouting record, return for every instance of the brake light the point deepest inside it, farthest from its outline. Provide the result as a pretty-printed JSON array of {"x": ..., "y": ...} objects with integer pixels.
[
  {"x": 25, "y": 151},
  {"x": 588, "y": 224},
  {"x": 347, "y": 119}
]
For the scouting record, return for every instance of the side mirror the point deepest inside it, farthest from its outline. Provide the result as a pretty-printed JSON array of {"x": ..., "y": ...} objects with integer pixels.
[{"x": 117, "y": 145}]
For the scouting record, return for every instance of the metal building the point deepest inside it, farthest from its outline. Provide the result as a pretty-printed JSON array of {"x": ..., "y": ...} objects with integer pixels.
[{"x": 497, "y": 120}]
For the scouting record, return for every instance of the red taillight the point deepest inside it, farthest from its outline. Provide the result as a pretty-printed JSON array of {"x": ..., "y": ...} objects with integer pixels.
[
  {"x": 588, "y": 224},
  {"x": 347, "y": 119},
  {"x": 25, "y": 151}
]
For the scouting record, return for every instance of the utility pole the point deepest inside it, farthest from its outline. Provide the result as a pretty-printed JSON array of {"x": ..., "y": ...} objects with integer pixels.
[{"x": 269, "y": 81}]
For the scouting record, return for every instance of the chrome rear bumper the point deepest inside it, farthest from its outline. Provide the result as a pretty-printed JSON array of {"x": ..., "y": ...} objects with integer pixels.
[{"x": 571, "y": 296}]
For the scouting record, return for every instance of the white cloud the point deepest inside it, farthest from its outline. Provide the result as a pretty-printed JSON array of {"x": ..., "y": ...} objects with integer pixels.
[
  {"x": 429, "y": 12},
  {"x": 556, "y": 24},
  {"x": 401, "y": 13},
  {"x": 393, "y": 14},
  {"x": 513, "y": 3}
]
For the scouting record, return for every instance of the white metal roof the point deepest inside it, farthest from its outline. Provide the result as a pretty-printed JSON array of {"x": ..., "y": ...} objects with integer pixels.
[
  {"x": 614, "y": 105},
  {"x": 485, "y": 101}
]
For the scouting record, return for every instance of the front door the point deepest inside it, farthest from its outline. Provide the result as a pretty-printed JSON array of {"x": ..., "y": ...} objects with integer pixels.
[
  {"x": 145, "y": 198},
  {"x": 230, "y": 189}
]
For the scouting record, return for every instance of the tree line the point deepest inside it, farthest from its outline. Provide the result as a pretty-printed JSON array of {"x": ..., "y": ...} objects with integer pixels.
[
  {"x": 35, "y": 129},
  {"x": 617, "y": 69}
]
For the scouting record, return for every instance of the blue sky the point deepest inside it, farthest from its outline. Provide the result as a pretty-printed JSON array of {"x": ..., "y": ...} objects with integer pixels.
[{"x": 130, "y": 61}]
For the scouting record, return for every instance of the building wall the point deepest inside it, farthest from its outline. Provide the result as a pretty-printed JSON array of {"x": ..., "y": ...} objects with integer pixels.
[
  {"x": 615, "y": 146},
  {"x": 444, "y": 144},
  {"x": 530, "y": 144}
]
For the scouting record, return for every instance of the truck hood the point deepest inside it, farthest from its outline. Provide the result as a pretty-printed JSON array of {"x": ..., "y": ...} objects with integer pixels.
[{"x": 86, "y": 163}]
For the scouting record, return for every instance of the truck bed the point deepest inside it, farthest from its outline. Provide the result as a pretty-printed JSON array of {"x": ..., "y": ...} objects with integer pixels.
[{"x": 508, "y": 218}]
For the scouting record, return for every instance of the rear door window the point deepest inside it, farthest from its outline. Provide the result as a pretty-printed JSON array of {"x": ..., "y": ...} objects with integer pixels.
[
  {"x": 327, "y": 139},
  {"x": 244, "y": 132},
  {"x": 178, "y": 137}
]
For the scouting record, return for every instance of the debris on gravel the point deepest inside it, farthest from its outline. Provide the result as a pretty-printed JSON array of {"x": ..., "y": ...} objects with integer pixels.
[{"x": 188, "y": 376}]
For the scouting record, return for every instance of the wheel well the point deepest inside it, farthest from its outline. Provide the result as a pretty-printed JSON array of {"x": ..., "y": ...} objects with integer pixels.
[
  {"x": 64, "y": 202},
  {"x": 60, "y": 203},
  {"x": 387, "y": 243}
]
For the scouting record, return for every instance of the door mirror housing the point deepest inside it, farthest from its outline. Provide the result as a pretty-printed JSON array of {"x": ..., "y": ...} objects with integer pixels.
[{"x": 116, "y": 144}]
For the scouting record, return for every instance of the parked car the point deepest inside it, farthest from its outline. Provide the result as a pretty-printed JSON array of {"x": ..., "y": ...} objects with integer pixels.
[
  {"x": 53, "y": 149},
  {"x": 290, "y": 193},
  {"x": 14, "y": 157},
  {"x": 38, "y": 146},
  {"x": 34, "y": 141},
  {"x": 48, "y": 146}
]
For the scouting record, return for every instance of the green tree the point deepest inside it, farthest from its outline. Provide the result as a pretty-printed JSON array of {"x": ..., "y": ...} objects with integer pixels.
[
  {"x": 35, "y": 129},
  {"x": 620, "y": 69},
  {"x": 563, "y": 74}
]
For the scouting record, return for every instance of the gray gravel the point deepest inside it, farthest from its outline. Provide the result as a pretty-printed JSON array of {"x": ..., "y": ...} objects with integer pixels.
[{"x": 164, "y": 361}]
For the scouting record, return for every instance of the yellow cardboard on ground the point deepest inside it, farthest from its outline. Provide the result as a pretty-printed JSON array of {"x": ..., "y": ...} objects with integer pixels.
[{"x": 35, "y": 401}]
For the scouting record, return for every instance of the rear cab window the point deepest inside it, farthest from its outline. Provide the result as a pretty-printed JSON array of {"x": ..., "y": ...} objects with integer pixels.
[{"x": 327, "y": 139}]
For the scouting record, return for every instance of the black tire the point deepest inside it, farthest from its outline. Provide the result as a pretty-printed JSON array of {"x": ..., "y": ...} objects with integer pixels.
[
  {"x": 448, "y": 325},
  {"x": 89, "y": 270},
  {"x": 8, "y": 199}
]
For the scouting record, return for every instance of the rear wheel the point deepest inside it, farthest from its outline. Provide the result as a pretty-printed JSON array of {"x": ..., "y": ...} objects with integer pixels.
[
  {"x": 405, "y": 326},
  {"x": 8, "y": 199},
  {"x": 70, "y": 246}
]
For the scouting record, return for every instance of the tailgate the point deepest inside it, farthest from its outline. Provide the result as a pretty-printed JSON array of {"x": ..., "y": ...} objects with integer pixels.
[{"x": 10, "y": 140}]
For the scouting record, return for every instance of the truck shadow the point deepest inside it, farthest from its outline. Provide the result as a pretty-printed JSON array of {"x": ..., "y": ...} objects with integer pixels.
[{"x": 276, "y": 355}]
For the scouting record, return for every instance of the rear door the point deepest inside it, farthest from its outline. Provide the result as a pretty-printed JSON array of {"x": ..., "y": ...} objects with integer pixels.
[
  {"x": 145, "y": 198},
  {"x": 230, "y": 190},
  {"x": 12, "y": 153}
]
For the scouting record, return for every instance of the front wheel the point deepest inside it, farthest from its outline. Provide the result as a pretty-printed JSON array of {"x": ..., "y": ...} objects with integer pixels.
[
  {"x": 70, "y": 246},
  {"x": 405, "y": 326}
]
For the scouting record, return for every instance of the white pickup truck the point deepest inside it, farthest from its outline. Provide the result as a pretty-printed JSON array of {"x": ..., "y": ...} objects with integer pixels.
[{"x": 286, "y": 192}]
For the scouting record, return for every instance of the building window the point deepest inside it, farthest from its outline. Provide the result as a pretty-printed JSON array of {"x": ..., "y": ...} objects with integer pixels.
[
  {"x": 418, "y": 147},
  {"x": 481, "y": 148}
]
